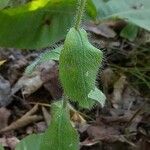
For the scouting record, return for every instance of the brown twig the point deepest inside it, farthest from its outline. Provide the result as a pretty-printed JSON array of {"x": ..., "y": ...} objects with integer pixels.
[
  {"x": 32, "y": 111},
  {"x": 21, "y": 123},
  {"x": 135, "y": 115},
  {"x": 41, "y": 104},
  {"x": 26, "y": 119},
  {"x": 46, "y": 115}
]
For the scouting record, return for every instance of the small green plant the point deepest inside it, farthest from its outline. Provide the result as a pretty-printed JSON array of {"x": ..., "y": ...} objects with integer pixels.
[{"x": 79, "y": 63}]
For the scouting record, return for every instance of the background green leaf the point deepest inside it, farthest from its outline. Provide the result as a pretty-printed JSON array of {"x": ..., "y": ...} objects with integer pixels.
[
  {"x": 44, "y": 57},
  {"x": 130, "y": 32},
  {"x": 60, "y": 134},
  {"x": 1, "y": 147},
  {"x": 3, "y": 3},
  {"x": 31, "y": 142},
  {"x": 39, "y": 23},
  {"x": 36, "y": 24},
  {"x": 133, "y": 11}
]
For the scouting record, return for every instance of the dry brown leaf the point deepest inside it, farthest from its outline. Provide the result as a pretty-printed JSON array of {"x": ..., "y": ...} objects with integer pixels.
[
  {"x": 107, "y": 77},
  {"x": 118, "y": 90},
  {"x": 28, "y": 84},
  {"x": 76, "y": 117},
  {"x": 88, "y": 142},
  {"x": 46, "y": 115},
  {"x": 102, "y": 29},
  {"x": 4, "y": 115},
  {"x": 103, "y": 133},
  {"x": 40, "y": 127},
  {"x": 5, "y": 92},
  {"x": 10, "y": 142},
  {"x": 49, "y": 76}
]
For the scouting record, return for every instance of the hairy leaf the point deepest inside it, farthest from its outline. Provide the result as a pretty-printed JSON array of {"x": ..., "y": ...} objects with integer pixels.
[
  {"x": 39, "y": 23},
  {"x": 133, "y": 11},
  {"x": 31, "y": 142},
  {"x": 98, "y": 96},
  {"x": 60, "y": 134},
  {"x": 79, "y": 65},
  {"x": 44, "y": 57}
]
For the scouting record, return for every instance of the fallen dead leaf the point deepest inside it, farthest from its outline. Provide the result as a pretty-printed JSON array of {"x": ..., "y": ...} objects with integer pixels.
[
  {"x": 4, "y": 115},
  {"x": 28, "y": 84},
  {"x": 46, "y": 115},
  {"x": 108, "y": 134},
  {"x": 107, "y": 77},
  {"x": 77, "y": 119},
  {"x": 118, "y": 90},
  {"x": 49, "y": 76},
  {"x": 40, "y": 127},
  {"x": 2, "y": 62},
  {"x": 10, "y": 142},
  {"x": 5, "y": 92},
  {"x": 102, "y": 29}
]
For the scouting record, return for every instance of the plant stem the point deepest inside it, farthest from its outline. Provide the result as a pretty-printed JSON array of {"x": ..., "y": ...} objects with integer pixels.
[
  {"x": 65, "y": 101},
  {"x": 79, "y": 13}
]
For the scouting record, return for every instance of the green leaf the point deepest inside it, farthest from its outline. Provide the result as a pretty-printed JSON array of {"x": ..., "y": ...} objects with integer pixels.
[
  {"x": 3, "y": 3},
  {"x": 78, "y": 67},
  {"x": 36, "y": 24},
  {"x": 39, "y": 23},
  {"x": 1, "y": 147},
  {"x": 44, "y": 57},
  {"x": 60, "y": 134},
  {"x": 133, "y": 11},
  {"x": 130, "y": 32},
  {"x": 31, "y": 142},
  {"x": 91, "y": 9},
  {"x": 98, "y": 96}
]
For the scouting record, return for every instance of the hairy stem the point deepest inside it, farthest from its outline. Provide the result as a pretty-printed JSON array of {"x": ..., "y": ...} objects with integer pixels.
[
  {"x": 65, "y": 101},
  {"x": 79, "y": 13}
]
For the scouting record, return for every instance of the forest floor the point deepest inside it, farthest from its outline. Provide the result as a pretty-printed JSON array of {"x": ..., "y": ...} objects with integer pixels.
[{"x": 124, "y": 122}]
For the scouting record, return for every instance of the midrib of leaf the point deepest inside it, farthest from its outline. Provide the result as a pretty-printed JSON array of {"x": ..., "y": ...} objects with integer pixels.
[{"x": 80, "y": 68}]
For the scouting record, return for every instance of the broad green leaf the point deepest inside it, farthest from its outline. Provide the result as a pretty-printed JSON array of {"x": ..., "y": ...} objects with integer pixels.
[
  {"x": 133, "y": 11},
  {"x": 98, "y": 96},
  {"x": 3, "y": 3},
  {"x": 31, "y": 142},
  {"x": 90, "y": 9},
  {"x": 130, "y": 32},
  {"x": 78, "y": 67},
  {"x": 44, "y": 57},
  {"x": 1, "y": 147},
  {"x": 39, "y": 23},
  {"x": 60, "y": 134}
]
